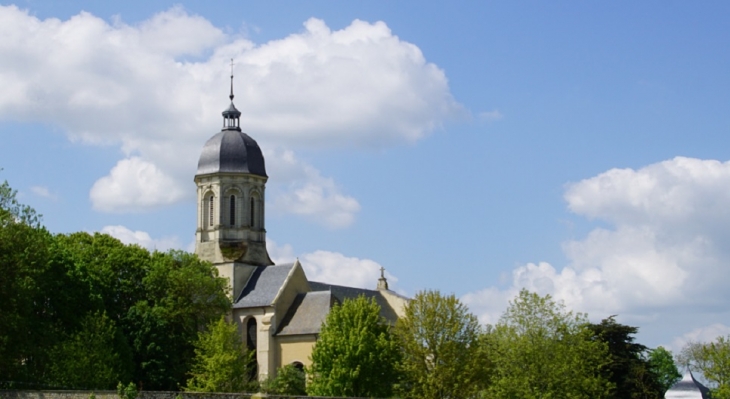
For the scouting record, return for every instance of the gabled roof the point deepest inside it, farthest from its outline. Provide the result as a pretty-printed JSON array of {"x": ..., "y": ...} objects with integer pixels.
[
  {"x": 688, "y": 388},
  {"x": 307, "y": 313},
  {"x": 341, "y": 293},
  {"x": 263, "y": 286}
]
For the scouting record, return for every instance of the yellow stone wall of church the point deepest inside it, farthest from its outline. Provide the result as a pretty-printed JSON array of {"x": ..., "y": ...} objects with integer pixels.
[
  {"x": 397, "y": 302},
  {"x": 295, "y": 349}
]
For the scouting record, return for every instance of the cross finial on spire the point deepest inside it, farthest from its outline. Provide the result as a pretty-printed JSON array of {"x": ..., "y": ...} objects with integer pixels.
[
  {"x": 382, "y": 282},
  {"x": 231, "y": 96}
]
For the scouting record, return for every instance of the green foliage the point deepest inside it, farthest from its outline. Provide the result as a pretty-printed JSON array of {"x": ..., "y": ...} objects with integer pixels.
[
  {"x": 355, "y": 354},
  {"x": 443, "y": 356},
  {"x": 628, "y": 370},
  {"x": 41, "y": 294},
  {"x": 12, "y": 211},
  {"x": 160, "y": 301},
  {"x": 80, "y": 301},
  {"x": 221, "y": 362},
  {"x": 661, "y": 362},
  {"x": 289, "y": 380},
  {"x": 541, "y": 351},
  {"x": 713, "y": 360},
  {"x": 182, "y": 296},
  {"x": 95, "y": 356},
  {"x": 128, "y": 391}
]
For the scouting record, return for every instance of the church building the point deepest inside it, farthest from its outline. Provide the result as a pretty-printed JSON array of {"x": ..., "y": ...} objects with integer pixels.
[{"x": 278, "y": 310}]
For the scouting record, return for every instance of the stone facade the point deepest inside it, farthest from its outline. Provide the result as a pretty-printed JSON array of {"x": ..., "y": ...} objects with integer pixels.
[{"x": 278, "y": 310}]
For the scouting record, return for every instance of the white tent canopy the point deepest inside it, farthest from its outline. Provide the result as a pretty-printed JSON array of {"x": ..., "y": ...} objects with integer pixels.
[{"x": 688, "y": 388}]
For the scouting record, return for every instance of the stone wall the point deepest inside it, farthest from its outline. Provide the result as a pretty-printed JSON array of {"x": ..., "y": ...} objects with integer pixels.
[
  {"x": 113, "y": 395},
  {"x": 143, "y": 395}
]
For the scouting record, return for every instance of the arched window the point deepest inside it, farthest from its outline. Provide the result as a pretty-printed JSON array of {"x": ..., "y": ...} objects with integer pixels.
[
  {"x": 233, "y": 210},
  {"x": 251, "y": 334},
  {"x": 252, "y": 220},
  {"x": 210, "y": 210},
  {"x": 298, "y": 365},
  {"x": 251, "y": 345}
]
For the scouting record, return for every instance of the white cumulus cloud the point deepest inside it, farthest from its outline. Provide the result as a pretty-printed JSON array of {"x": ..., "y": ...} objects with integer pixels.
[
  {"x": 320, "y": 200},
  {"x": 43, "y": 191},
  {"x": 702, "y": 334},
  {"x": 141, "y": 238},
  {"x": 333, "y": 267},
  {"x": 133, "y": 184},
  {"x": 301, "y": 190},
  {"x": 664, "y": 257},
  {"x": 156, "y": 90}
]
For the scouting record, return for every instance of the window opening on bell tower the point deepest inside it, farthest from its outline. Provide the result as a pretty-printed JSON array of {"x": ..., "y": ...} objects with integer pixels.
[
  {"x": 210, "y": 210},
  {"x": 253, "y": 212},
  {"x": 233, "y": 211}
]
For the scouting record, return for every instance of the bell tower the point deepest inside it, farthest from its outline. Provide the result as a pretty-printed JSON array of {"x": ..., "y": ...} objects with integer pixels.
[{"x": 231, "y": 182}]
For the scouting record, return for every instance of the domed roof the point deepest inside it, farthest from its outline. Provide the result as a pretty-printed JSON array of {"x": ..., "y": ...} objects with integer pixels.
[{"x": 231, "y": 151}]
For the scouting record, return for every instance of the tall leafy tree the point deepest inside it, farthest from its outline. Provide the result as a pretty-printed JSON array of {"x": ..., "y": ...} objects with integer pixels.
[
  {"x": 159, "y": 302},
  {"x": 628, "y": 369},
  {"x": 712, "y": 359},
  {"x": 661, "y": 362},
  {"x": 540, "y": 350},
  {"x": 182, "y": 296},
  {"x": 41, "y": 295},
  {"x": 13, "y": 211},
  {"x": 355, "y": 354},
  {"x": 94, "y": 357},
  {"x": 441, "y": 349},
  {"x": 221, "y": 362},
  {"x": 68, "y": 301}
]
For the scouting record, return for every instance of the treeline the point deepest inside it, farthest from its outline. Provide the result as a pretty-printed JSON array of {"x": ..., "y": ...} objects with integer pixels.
[
  {"x": 538, "y": 349},
  {"x": 86, "y": 311},
  {"x": 83, "y": 311}
]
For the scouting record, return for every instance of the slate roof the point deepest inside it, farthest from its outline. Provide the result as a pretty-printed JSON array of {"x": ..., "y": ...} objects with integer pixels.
[
  {"x": 688, "y": 388},
  {"x": 307, "y": 313},
  {"x": 341, "y": 292},
  {"x": 231, "y": 151},
  {"x": 263, "y": 286}
]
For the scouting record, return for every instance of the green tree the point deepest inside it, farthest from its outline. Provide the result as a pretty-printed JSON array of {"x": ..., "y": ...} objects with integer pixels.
[
  {"x": 441, "y": 349},
  {"x": 540, "y": 350},
  {"x": 221, "y": 362},
  {"x": 59, "y": 291},
  {"x": 159, "y": 301},
  {"x": 661, "y": 362},
  {"x": 712, "y": 359},
  {"x": 182, "y": 296},
  {"x": 42, "y": 297},
  {"x": 12, "y": 211},
  {"x": 289, "y": 380},
  {"x": 93, "y": 357},
  {"x": 628, "y": 370},
  {"x": 355, "y": 354}
]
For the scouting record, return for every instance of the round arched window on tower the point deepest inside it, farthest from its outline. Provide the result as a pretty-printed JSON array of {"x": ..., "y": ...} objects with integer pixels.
[{"x": 210, "y": 210}]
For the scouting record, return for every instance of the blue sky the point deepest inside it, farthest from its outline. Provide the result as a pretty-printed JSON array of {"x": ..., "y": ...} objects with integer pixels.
[{"x": 575, "y": 149}]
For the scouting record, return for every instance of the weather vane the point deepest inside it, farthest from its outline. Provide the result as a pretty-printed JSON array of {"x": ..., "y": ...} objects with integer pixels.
[{"x": 231, "y": 96}]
